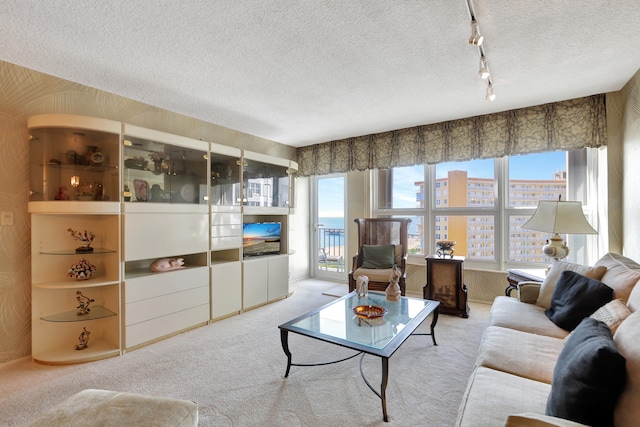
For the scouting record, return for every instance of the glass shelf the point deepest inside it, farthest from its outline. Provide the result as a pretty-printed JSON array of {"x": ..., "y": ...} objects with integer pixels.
[
  {"x": 73, "y": 252},
  {"x": 97, "y": 312}
]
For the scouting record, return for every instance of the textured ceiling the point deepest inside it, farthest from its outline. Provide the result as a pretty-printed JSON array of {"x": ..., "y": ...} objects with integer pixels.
[{"x": 306, "y": 71}]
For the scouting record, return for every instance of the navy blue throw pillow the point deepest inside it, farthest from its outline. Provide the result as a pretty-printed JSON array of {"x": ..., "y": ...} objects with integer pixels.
[
  {"x": 589, "y": 376},
  {"x": 576, "y": 297}
]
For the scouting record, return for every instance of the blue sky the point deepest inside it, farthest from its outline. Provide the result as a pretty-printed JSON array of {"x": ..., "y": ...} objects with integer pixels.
[{"x": 529, "y": 166}]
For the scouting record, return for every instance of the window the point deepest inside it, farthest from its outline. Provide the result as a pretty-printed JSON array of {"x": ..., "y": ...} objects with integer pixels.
[{"x": 482, "y": 204}]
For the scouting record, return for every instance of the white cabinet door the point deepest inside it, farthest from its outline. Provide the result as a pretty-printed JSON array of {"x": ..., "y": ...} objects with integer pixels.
[
  {"x": 278, "y": 283},
  {"x": 156, "y": 235},
  {"x": 255, "y": 274},
  {"x": 226, "y": 289}
]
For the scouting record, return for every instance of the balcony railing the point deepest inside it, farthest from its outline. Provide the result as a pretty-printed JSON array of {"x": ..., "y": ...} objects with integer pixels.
[{"x": 331, "y": 256}]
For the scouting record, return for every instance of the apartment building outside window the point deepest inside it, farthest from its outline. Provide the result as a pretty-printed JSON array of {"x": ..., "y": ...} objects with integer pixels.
[{"x": 484, "y": 205}]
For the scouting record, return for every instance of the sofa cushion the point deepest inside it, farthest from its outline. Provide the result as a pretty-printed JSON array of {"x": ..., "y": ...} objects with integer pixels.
[
  {"x": 589, "y": 376},
  {"x": 378, "y": 256},
  {"x": 633, "y": 303},
  {"x": 551, "y": 279},
  {"x": 510, "y": 313},
  {"x": 622, "y": 274},
  {"x": 612, "y": 314},
  {"x": 492, "y": 396},
  {"x": 520, "y": 353},
  {"x": 627, "y": 339},
  {"x": 576, "y": 297}
]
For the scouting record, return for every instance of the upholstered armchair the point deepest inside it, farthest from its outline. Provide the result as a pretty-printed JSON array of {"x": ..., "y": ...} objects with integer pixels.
[{"x": 382, "y": 242}]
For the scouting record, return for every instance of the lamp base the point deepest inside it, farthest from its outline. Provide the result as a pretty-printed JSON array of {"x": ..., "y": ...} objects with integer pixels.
[{"x": 556, "y": 247}]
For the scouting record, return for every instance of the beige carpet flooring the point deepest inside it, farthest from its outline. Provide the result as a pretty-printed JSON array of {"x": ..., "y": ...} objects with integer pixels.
[{"x": 234, "y": 370}]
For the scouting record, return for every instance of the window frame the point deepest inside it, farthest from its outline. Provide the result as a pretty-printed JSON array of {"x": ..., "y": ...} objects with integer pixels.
[{"x": 581, "y": 185}]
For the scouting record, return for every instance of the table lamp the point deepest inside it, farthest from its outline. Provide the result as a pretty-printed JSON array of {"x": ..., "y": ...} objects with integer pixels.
[{"x": 558, "y": 217}]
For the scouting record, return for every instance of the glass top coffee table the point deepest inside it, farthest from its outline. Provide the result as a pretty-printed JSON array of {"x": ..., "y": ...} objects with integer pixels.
[{"x": 369, "y": 325}]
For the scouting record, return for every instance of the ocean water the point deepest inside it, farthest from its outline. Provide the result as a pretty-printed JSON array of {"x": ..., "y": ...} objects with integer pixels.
[
  {"x": 331, "y": 222},
  {"x": 327, "y": 235}
]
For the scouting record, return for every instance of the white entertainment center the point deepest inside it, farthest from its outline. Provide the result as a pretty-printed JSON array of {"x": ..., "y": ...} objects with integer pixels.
[{"x": 152, "y": 201}]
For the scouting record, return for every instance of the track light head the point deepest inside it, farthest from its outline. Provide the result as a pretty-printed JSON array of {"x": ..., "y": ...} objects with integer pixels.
[
  {"x": 490, "y": 95},
  {"x": 476, "y": 38},
  {"x": 484, "y": 68}
]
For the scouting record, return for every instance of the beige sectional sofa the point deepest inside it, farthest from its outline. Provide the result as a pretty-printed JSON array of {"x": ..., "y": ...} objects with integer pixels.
[{"x": 520, "y": 347}]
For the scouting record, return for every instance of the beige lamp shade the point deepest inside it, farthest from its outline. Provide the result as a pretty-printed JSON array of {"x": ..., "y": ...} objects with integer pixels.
[{"x": 559, "y": 217}]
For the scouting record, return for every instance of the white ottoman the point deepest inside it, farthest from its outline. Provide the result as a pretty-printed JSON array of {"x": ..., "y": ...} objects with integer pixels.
[{"x": 103, "y": 408}]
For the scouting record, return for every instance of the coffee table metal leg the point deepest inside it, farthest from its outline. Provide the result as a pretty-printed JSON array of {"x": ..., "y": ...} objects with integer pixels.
[
  {"x": 433, "y": 325},
  {"x": 383, "y": 387},
  {"x": 284, "y": 338}
]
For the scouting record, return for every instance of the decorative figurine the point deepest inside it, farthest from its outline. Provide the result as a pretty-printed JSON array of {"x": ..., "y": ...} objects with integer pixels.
[
  {"x": 445, "y": 248},
  {"x": 362, "y": 286},
  {"x": 85, "y": 238},
  {"x": 81, "y": 270},
  {"x": 167, "y": 264},
  {"x": 62, "y": 194},
  {"x": 83, "y": 339},
  {"x": 160, "y": 162},
  {"x": 393, "y": 290},
  {"x": 83, "y": 303},
  {"x": 156, "y": 193}
]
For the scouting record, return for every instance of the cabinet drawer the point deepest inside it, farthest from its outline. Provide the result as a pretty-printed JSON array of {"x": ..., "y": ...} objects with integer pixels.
[
  {"x": 226, "y": 230},
  {"x": 226, "y": 218},
  {"x": 147, "y": 309},
  {"x": 161, "y": 326},
  {"x": 170, "y": 282},
  {"x": 220, "y": 243}
]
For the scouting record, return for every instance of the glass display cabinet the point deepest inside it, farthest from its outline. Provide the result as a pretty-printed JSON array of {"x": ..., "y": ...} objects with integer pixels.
[
  {"x": 75, "y": 238},
  {"x": 225, "y": 180},
  {"x": 73, "y": 158},
  {"x": 265, "y": 184},
  {"x": 157, "y": 172}
]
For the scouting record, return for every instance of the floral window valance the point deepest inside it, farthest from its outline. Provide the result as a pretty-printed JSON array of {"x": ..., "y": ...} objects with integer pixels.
[{"x": 566, "y": 125}]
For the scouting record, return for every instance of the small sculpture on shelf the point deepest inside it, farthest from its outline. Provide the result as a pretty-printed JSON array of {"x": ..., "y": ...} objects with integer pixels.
[
  {"x": 85, "y": 238},
  {"x": 160, "y": 162},
  {"x": 136, "y": 162},
  {"x": 83, "y": 303},
  {"x": 81, "y": 270},
  {"x": 362, "y": 286},
  {"x": 83, "y": 339},
  {"x": 393, "y": 290},
  {"x": 445, "y": 248},
  {"x": 62, "y": 194},
  {"x": 167, "y": 264}
]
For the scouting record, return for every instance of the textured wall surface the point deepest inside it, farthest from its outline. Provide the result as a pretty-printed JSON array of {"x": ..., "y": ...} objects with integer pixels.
[{"x": 24, "y": 93}]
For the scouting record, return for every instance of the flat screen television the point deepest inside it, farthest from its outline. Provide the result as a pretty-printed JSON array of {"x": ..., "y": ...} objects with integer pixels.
[{"x": 260, "y": 238}]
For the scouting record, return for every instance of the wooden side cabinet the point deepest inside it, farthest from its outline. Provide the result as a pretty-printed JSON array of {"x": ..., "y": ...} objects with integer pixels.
[{"x": 445, "y": 283}]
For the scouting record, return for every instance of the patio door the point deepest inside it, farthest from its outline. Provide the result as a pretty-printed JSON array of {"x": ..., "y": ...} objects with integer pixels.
[{"x": 329, "y": 250}]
